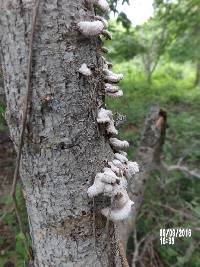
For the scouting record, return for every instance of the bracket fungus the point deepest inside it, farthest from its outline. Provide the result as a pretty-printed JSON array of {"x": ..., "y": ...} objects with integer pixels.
[
  {"x": 94, "y": 28},
  {"x": 104, "y": 49},
  {"x": 104, "y": 21},
  {"x": 104, "y": 116},
  {"x": 118, "y": 144},
  {"x": 116, "y": 94},
  {"x": 131, "y": 169},
  {"x": 85, "y": 70},
  {"x": 91, "y": 28},
  {"x": 103, "y": 5},
  {"x": 111, "y": 128},
  {"x": 118, "y": 214},
  {"x": 120, "y": 157},
  {"x": 110, "y": 88},
  {"x": 112, "y": 181},
  {"x": 112, "y": 77}
]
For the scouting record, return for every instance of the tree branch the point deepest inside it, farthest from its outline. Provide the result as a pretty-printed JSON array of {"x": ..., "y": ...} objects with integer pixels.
[
  {"x": 182, "y": 213},
  {"x": 183, "y": 169},
  {"x": 187, "y": 256}
]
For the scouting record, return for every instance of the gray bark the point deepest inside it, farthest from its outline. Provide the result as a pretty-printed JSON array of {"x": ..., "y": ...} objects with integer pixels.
[
  {"x": 147, "y": 156},
  {"x": 63, "y": 147}
]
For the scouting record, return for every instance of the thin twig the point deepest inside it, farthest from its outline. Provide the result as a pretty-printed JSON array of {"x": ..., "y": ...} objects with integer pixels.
[
  {"x": 24, "y": 120},
  {"x": 180, "y": 212},
  {"x": 183, "y": 169},
  {"x": 136, "y": 249}
]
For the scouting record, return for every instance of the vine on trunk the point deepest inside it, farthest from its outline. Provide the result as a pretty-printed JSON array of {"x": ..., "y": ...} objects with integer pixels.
[{"x": 27, "y": 102}]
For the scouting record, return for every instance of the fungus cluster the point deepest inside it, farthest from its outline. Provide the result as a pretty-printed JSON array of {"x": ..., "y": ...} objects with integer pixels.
[
  {"x": 112, "y": 180},
  {"x": 94, "y": 28},
  {"x": 85, "y": 70},
  {"x": 102, "y": 4}
]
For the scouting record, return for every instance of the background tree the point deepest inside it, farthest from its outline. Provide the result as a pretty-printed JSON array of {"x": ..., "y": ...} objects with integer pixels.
[
  {"x": 154, "y": 38},
  {"x": 183, "y": 20}
]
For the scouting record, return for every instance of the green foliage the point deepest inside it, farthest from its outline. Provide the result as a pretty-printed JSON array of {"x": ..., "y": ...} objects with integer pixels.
[
  {"x": 113, "y": 4},
  {"x": 22, "y": 254},
  {"x": 121, "y": 17},
  {"x": 18, "y": 254},
  {"x": 124, "y": 46},
  {"x": 171, "y": 87},
  {"x": 183, "y": 19}
]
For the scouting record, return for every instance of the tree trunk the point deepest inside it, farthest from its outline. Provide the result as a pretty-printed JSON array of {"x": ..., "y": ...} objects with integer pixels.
[
  {"x": 197, "y": 79},
  {"x": 149, "y": 75},
  {"x": 63, "y": 147},
  {"x": 147, "y": 67}
]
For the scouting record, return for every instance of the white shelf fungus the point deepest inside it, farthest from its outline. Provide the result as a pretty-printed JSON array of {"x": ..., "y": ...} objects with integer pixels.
[
  {"x": 109, "y": 176},
  {"x": 97, "y": 187},
  {"x": 112, "y": 181},
  {"x": 110, "y": 65},
  {"x": 91, "y": 28},
  {"x": 121, "y": 199},
  {"x": 107, "y": 34},
  {"x": 113, "y": 77},
  {"x": 118, "y": 164},
  {"x": 105, "y": 67},
  {"x": 104, "y": 21},
  {"x": 107, "y": 183},
  {"x": 111, "y": 128},
  {"x": 131, "y": 169},
  {"x": 85, "y": 70},
  {"x": 121, "y": 158},
  {"x": 104, "y": 49},
  {"x": 118, "y": 144},
  {"x": 104, "y": 116},
  {"x": 113, "y": 189},
  {"x": 123, "y": 183},
  {"x": 110, "y": 88},
  {"x": 103, "y": 5},
  {"x": 114, "y": 168},
  {"x": 116, "y": 94},
  {"x": 123, "y": 152},
  {"x": 118, "y": 214}
]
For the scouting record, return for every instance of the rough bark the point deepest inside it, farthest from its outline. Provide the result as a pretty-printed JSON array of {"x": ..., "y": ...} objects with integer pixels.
[
  {"x": 151, "y": 143},
  {"x": 63, "y": 147}
]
